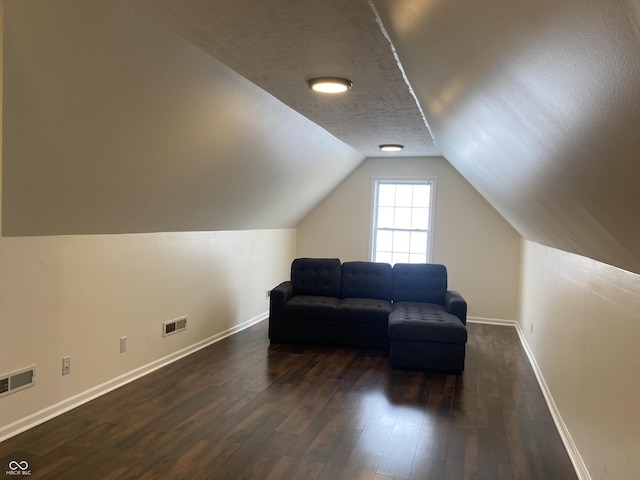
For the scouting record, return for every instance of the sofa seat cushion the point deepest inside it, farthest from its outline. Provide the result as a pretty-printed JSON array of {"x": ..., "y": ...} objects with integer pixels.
[
  {"x": 425, "y": 322},
  {"x": 364, "y": 310},
  {"x": 311, "y": 307}
]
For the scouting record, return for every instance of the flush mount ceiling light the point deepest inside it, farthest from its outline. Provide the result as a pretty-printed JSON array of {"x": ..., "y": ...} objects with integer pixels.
[
  {"x": 330, "y": 84},
  {"x": 391, "y": 147}
]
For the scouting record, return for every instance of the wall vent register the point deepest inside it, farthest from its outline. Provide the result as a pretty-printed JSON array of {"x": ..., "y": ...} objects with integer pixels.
[
  {"x": 174, "y": 326},
  {"x": 18, "y": 380}
]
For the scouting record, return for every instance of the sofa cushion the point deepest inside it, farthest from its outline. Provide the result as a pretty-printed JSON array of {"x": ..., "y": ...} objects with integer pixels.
[
  {"x": 419, "y": 282},
  {"x": 364, "y": 310},
  {"x": 312, "y": 307},
  {"x": 411, "y": 321},
  {"x": 367, "y": 280},
  {"x": 316, "y": 276}
]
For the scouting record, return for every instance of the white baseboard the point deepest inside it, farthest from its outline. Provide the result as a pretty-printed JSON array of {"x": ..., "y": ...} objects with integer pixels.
[
  {"x": 493, "y": 321},
  {"x": 565, "y": 435},
  {"x": 70, "y": 403}
]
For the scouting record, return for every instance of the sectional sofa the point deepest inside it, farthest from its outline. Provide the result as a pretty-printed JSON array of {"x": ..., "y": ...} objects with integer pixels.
[{"x": 406, "y": 308}]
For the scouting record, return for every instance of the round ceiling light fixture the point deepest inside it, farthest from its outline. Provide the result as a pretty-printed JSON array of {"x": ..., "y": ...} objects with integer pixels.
[
  {"x": 330, "y": 84},
  {"x": 391, "y": 147}
]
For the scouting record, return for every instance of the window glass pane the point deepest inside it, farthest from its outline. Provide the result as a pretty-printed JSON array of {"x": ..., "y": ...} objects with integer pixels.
[
  {"x": 420, "y": 219},
  {"x": 386, "y": 195},
  {"x": 404, "y": 195},
  {"x": 421, "y": 194},
  {"x": 385, "y": 217},
  {"x": 401, "y": 241},
  {"x": 400, "y": 257},
  {"x": 419, "y": 243},
  {"x": 402, "y": 218},
  {"x": 384, "y": 241},
  {"x": 384, "y": 257}
]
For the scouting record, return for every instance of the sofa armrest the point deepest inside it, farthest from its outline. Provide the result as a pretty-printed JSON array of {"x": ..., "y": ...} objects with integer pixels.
[
  {"x": 456, "y": 305},
  {"x": 277, "y": 299},
  {"x": 281, "y": 293}
]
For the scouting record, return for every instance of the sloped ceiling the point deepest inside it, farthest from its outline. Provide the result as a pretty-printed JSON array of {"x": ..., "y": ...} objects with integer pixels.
[
  {"x": 280, "y": 44},
  {"x": 114, "y": 123},
  {"x": 537, "y": 104}
]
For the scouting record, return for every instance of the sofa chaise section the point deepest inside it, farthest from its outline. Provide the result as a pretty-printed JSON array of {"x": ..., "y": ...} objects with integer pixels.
[{"x": 427, "y": 326}]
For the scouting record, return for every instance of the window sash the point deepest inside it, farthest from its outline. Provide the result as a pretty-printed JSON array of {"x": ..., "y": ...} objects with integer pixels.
[{"x": 399, "y": 235}]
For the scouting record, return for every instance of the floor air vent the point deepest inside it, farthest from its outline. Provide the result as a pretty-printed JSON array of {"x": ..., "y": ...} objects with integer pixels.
[
  {"x": 174, "y": 326},
  {"x": 15, "y": 381}
]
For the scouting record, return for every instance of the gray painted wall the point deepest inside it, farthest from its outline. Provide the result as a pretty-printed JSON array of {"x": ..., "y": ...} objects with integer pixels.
[{"x": 536, "y": 104}]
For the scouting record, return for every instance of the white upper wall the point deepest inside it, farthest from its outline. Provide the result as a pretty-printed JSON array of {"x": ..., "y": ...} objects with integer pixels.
[
  {"x": 114, "y": 124},
  {"x": 480, "y": 249},
  {"x": 581, "y": 319},
  {"x": 76, "y": 295}
]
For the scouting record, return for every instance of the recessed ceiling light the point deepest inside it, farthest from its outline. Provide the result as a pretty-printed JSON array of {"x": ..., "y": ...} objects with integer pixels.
[
  {"x": 391, "y": 147},
  {"x": 330, "y": 84}
]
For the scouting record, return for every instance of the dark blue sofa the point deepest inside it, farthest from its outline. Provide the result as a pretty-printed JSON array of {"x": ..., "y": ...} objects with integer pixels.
[{"x": 406, "y": 308}]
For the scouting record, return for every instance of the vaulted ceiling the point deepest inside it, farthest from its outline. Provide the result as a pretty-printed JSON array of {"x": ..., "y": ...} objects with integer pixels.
[
  {"x": 194, "y": 114},
  {"x": 280, "y": 44}
]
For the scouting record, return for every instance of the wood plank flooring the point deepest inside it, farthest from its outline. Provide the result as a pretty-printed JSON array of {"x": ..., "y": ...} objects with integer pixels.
[{"x": 242, "y": 409}]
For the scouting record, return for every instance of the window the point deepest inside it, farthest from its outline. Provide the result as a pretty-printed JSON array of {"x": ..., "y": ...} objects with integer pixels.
[{"x": 401, "y": 221}]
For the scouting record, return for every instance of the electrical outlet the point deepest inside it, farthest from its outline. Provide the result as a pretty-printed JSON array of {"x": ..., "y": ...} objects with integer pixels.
[
  {"x": 66, "y": 365},
  {"x": 123, "y": 344},
  {"x": 532, "y": 327},
  {"x": 268, "y": 294}
]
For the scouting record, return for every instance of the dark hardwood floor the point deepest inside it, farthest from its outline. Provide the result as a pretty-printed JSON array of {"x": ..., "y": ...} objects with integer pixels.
[{"x": 241, "y": 409}]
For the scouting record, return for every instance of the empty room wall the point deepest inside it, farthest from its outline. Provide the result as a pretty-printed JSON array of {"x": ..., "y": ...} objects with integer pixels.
[
  {"x": 77, "y": 295},
  {"x": 480, "y": 249},
  {"x": 586, "y": 326}
]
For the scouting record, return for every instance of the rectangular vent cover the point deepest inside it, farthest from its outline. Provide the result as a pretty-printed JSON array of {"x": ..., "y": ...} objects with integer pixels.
[
  {"x": 19, "y": 380},
  {"x": 174, "y": 326}
]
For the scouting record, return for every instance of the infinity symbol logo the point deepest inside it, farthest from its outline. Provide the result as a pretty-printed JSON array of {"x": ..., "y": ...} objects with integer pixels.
[{"x": 13, "y": 465}]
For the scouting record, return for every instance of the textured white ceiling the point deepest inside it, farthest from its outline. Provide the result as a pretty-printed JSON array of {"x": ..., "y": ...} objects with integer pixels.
[{"x": 280, "y": 44}]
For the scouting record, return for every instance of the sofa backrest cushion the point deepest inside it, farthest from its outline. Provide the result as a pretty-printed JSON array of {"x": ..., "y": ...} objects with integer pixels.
[
  {"x": 316, "y": 276},
  {"x": 419, "y": 282},
  {"x": 367, "y": 280}
]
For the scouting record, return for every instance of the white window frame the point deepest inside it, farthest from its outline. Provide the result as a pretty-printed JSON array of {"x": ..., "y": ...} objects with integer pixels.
[{"x": 374, "y": 210}]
